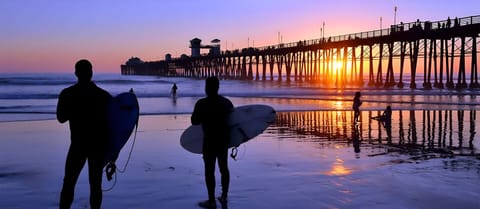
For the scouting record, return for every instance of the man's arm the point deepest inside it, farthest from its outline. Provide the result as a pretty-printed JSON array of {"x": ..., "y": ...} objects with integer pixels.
[
  {"x": 196, "y": 119},
  {"x": 62, "y": 109}
]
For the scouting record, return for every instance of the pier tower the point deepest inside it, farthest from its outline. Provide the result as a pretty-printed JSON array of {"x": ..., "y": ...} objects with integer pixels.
[{"x": 196, "y": 45}]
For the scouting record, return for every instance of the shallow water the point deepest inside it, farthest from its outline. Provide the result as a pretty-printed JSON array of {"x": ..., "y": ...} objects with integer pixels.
[{"x": 285, "y": 167}]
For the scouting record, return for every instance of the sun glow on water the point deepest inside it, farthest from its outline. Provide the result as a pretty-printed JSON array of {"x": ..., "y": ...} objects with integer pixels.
[{"x": 338, "y": 169}]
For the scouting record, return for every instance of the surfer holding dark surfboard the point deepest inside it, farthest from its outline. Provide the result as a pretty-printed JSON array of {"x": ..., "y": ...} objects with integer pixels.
[
  {"x": 84, "y": 105},
  {"x": 212, "y": 114}
]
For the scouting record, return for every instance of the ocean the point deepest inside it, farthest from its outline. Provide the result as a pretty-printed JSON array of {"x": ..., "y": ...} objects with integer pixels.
[
  {"x": 307, "y": 109},
  {"x": 34, "y": 96}
]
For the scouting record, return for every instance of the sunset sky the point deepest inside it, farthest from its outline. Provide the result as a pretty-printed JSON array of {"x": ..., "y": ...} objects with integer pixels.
[{"x": 50, "y": 35}]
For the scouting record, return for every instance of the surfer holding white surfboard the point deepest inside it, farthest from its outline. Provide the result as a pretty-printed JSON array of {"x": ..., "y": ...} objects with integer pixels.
[
  {"x": 84, "y": 105},
  {"x": 216, "y": 127},
  {"x": 212, "y": 113}
]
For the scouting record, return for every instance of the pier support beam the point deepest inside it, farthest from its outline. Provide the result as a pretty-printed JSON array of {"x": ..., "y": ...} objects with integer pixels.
[
  {"x": 462, "y": 83},
  {"x": 474, "y": 76}
]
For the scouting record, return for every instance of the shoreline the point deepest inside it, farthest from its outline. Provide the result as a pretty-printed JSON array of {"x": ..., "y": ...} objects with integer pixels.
[
  {"x": 438, "y": 131},
  {"x": 186, "y": 109}
]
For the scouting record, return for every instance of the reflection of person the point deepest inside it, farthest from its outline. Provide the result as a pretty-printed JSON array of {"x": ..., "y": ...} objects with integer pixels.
[
  {"x": 356, "y": 138},
  {"x": 212, "y": 113},
  {"x": 173, "y": 92},
  {"x": 84, "y": 106},
  {"x": 356, "y": 106}
]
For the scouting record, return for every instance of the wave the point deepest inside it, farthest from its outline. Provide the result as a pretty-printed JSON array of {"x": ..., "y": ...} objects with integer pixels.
[
  {"x": 32, "y": 82},
  {"x": 48, "y": 81},
  {"x": 280, "y": 93}
]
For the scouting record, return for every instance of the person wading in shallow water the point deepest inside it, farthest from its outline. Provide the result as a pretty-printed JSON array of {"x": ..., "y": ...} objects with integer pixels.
[
  {"x": 84, "y": 106},
  {"x": 356, "y": 106},
  {"x": 173, "y": 91},
  {"x": 212, "y": 113}
]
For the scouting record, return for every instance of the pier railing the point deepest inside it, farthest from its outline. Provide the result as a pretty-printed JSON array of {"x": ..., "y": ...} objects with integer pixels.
[{"x": 402, "y": 27}]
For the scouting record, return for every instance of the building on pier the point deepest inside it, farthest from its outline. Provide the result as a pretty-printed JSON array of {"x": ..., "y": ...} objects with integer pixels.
[{"x": 196, "y": 45}]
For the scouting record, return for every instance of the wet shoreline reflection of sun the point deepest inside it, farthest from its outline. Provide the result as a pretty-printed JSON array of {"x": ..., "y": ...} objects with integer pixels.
[{"x": 338, "y": 169}]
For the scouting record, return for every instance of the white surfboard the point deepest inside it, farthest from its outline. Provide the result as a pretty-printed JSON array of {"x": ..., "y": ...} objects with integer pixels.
[
  {"x": 245, "y": 122},
  {"x": 123, "y": 113}
]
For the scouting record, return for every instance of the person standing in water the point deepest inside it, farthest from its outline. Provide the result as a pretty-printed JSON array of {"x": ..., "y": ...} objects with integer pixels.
[
  {"x": 356, "y": 106},
  {"x": 173, "y": 92},
  {"x": 212, "y": 114},
  {"x": 386, "y": 119},
  {"x": 84, "y": 106}
]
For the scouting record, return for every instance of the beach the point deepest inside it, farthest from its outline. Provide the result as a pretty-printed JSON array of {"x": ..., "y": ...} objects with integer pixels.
[
  {"x": 376, "y": 103},
  {"x": 281, "y": 168}
]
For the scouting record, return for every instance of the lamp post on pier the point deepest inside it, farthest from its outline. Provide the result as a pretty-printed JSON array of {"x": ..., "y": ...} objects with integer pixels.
[
  {"x": 323, "y": 30},
  {"x": 380, "y": 25},
  {"x": 395, "y": 15}
]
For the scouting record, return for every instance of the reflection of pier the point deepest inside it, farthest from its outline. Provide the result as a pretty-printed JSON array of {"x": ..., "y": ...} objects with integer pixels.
[
  {"x": 436, "y": 131},
  {"x": 446, "y": 50}
]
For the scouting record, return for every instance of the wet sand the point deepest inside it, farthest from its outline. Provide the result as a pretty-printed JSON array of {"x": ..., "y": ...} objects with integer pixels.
[{"x": 305, "y": 160}]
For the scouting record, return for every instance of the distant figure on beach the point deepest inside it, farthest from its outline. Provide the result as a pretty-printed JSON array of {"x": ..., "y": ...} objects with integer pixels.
[
  {"x": 173, "y": 92},
  {"x": 387, "y": 122},
  {"x": 84, "y": 106},
  {"x": 212, "y": 114},
  {"x": 356, "y": 106},
  {"x": 386, "y": 116}
]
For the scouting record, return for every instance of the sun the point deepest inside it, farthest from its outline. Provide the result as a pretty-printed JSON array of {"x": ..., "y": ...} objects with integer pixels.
[{"x": 337, "y": 67}]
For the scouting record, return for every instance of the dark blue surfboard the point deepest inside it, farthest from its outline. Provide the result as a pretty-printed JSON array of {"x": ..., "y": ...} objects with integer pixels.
[{"x": 123, "y": 113}]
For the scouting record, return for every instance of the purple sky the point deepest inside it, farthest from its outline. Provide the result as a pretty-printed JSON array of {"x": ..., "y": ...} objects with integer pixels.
[{"x": 50, "y": 36}]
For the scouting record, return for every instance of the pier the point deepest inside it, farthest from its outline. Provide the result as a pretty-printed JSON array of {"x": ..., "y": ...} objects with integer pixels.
[{"x": 442, "y": 53}]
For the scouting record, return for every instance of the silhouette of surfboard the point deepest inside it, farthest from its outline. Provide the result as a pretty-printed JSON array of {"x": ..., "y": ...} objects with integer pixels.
[
  {"x": 245, "y": 122},
  {"x": 123, "y": 113}
]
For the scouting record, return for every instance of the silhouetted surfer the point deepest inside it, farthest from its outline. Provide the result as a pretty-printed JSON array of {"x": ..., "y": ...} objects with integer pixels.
[
  {"x": 356, "y": 106},
  {"x": 84, "y": 106},
  {"x": 173, "y": 92},
  {"x": 386, "y": 119},
  {"x": 212, "y": 113}
]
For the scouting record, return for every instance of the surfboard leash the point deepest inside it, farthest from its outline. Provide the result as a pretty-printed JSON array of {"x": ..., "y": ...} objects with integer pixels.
[
  {"x": 131, "y": 150},
  {"x": 113, "y": 185},
  {"x": 234, "y": 153},
  {"x": 126, "y": 163}
]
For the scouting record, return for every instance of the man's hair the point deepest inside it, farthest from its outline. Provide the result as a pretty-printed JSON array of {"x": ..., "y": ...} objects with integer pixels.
[
  {"x": 83, "y": 70},
  {"x": 211, "y": 85}
]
